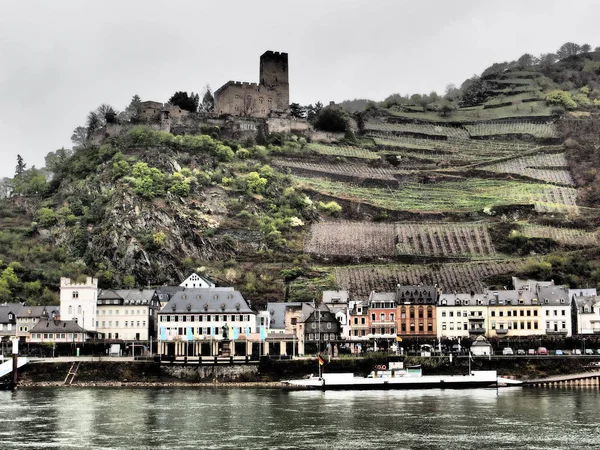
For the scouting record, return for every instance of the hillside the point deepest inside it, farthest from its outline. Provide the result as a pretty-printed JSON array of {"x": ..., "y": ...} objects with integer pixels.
[{"x": 501, "y": 182}]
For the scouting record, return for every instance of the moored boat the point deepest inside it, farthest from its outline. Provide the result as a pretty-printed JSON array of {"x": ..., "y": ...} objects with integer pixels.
[{"x": 396, "y": 376}]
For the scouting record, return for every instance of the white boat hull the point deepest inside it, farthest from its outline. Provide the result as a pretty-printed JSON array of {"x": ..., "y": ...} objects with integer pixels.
[{"x": 347, "y": 381}]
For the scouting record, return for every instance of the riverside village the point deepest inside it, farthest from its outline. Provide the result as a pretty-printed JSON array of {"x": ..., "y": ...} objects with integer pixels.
[{"x": 383, "y": 236}]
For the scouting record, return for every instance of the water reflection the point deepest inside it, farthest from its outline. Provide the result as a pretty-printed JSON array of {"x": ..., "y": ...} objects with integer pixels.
[{"x": 105, "y": 418}]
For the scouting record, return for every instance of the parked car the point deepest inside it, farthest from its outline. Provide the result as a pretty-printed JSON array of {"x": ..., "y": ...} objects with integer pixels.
[
  {"x": 558, "y": 352},
  {"x": 507, "y": 351},
  {"x": 520, "y": 351},
  {"x": 542, "y": 351},
  {"x": 576, "y": 352},
  {"x": 598, "y": 351},
  {"x": 531, "y": 351},
  {"x": 589, "y": 351}
]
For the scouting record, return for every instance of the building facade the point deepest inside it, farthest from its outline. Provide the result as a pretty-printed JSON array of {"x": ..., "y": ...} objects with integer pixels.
[
  {"x": 416, "y": 311},
  {"x": 196, "y": 322},
  {"x": 78, "y": 301},
  {"x": 128, "y": 314},
  {"x": 270, "y": 94}
]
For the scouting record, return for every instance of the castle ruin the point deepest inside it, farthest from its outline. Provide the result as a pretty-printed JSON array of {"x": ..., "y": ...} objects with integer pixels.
[{"x": 270, "y": 97}]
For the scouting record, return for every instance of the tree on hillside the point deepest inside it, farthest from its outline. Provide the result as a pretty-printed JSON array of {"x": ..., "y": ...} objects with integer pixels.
[
  {"x": 92, "y": 123},
  {"x": 96, "y": 119},
  {"x": 184, "y": 101},
  {"x": 313, "y": 111},
  {"x": 495, "y": 68},
  {"x": 568, "y": 49},
  {"x": 547, "y": 59},
  {"x": 20, "y": 165},
  {"x": 526, "y": 60},
  {"x": 332, "y": 119},
  {"x": 297, "y": 111},
  {"x": 586, "y": 48},
  {"x": 55, "y": 160},
  {"x": 6, "y": 187},
  {"x": 208, "y": 100},
  {"x": 452, "y": 93},
  {"x": 79, "y": 137},
  {"x": 133, "y": 111},
  {"x": 30, "y": 182}
]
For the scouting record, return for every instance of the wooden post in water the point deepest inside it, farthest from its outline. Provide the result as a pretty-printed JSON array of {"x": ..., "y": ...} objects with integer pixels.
[{"x": 15, "y": 374}]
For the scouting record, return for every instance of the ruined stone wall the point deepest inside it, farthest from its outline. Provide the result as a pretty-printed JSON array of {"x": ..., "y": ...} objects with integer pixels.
[
  {"x": 273, "y": 74},
  {"x": 280, "y": 125},
  {"x": 245, "y": 99}
]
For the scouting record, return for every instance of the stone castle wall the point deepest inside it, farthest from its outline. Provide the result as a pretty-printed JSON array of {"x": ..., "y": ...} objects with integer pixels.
[{"x": 271, "y": 94}]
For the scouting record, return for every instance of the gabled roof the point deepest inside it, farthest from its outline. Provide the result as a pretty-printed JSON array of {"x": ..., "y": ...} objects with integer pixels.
[
  {"x": 8, "y": 308},
  {"x": 57, "y": 326},
  {"x": 586, "y": 300},
  {"x": 554, "y": 295},
  {"x": 335, "y": 297},
  {"x": 37, "y": 311},
  {"x": 210, "y": 300},
  {"x": 196, "y": 281},
  {"x": 462, "y": 300},
  {"x": 382, "y": 297}
]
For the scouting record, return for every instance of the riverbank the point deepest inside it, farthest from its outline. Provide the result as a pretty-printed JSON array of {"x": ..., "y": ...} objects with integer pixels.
[
  {"x": 267, "y": 373},
  {"x": 165, "y": 384}
]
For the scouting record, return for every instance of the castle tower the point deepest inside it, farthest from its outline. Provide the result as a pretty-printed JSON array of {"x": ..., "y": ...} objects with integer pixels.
[
  {"x": 78, "y": 301},
  {"x": 274, "y": 75}
]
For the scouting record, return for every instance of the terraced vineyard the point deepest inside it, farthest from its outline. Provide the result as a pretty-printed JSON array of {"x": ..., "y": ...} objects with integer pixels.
[
  {"x": 345, "y": 151},
  {"x": 466, "y": 195},
  {"x": 423, "y": 128},
  {"x": 460, "y": 277},
  {"x": 551, "y": 168},
  {"x": 565, "y": 236},
  {"x": 538, "y": 130},
  {"x": 354, "y": 170},
  {"x": 358, "y": 239},
  {"x": 459, "y": 151},
  {"x": 366, "y": 239}
]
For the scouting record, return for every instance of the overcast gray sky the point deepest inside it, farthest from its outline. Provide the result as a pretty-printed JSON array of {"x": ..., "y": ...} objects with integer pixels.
[{"x": 62, "y": 58}]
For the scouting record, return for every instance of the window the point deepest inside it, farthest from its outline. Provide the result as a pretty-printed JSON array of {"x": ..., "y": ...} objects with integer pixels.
[
  {"x": 443, "y": 313},
  {"x": 75, "y": 294},
  {"x": 70, "y": 309},
  {"x": 373, "y": 317},
  {"x": 444, "y": 326},
  {"x": 382, "y": 317},
  {"x": 493, "y": 314},
  {"x": 79, "y": 309},
  {"x": 392, "y": 316}
]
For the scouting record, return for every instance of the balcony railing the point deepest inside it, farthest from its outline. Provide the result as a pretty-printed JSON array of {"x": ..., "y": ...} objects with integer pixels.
[
  {"x": 477, "y": 331},
  {"x": 501, "y": 330}
]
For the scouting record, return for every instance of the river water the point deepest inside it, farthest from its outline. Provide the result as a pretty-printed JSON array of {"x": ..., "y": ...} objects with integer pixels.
[{"x": 230, "y": 418}]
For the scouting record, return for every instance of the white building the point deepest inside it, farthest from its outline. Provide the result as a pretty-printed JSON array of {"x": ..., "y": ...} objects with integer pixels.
[
  {"x": 78, "y": 301},
  {"x": 555, "y": 310},
  {"x": 128, "y": 314},
  {"x": 337, "y": 302},
  {"x": 195, "y": 281},
  {"x": 587, "y": 314},
  {"x": 198, "y": 318}
]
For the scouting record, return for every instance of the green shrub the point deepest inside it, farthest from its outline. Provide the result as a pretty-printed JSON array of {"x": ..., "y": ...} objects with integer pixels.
[
  {"x": 561, "y": 98},
  {"x": 46, "y": 217},
  {"x": 331, "y": 207}
]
